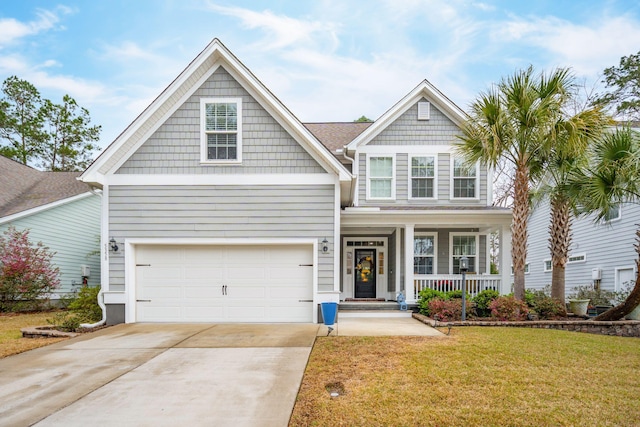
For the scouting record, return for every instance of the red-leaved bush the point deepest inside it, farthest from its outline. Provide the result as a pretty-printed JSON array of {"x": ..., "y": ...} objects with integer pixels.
[
  {"x": 446, "y": 310},
  {"x": 26, "y": 273},
  {"x": 508, "y": 309}
]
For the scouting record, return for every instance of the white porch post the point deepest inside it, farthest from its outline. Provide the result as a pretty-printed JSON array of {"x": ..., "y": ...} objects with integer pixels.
[
  {"x": 505, "y": 258},
  {"x": 408, "y": 264},
  {"x": 398, "y": 261}
]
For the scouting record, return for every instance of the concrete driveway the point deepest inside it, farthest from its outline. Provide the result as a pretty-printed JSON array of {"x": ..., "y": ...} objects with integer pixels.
[{"x": 160, "y": 375}]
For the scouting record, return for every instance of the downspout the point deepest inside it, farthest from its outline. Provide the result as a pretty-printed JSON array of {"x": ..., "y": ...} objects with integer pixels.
[
  {"x": 355, "y": 177},
  {"x": 101, "y": 293}
]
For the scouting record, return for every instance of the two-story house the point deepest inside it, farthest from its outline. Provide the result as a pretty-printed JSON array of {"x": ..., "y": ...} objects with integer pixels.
[{"x": 220, "y": 205}]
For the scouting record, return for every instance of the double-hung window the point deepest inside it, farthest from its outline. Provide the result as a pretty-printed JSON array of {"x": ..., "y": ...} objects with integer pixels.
[
  {"x": 464, "y": 181},
  {"x": 221, "y": 133},
  {"x": 612, "y": 214},
  {"x": 464, "y": 245},
  {"x": 423, "y": 177},
  {"x": 424, "y": 254},
  {"x": 381, "y": 177}
]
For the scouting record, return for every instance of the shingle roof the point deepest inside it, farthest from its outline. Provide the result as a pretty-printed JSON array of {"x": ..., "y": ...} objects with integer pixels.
[
  {"x": 337, "y": 134},
  {"x": 23, "y": 188}
]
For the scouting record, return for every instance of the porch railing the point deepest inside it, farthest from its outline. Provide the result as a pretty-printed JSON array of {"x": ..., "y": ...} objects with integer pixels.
[{"x": 476, "y": 283}]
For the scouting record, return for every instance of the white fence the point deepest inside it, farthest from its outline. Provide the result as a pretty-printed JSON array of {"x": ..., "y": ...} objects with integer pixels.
[{"x": 476, "y": 283}]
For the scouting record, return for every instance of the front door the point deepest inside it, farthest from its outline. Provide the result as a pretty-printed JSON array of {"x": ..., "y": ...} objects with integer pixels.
[{"x": 365, "y": 273}]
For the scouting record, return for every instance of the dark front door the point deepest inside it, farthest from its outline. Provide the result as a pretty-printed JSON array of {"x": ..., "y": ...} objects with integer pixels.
[{"x": 365, "y": 277}]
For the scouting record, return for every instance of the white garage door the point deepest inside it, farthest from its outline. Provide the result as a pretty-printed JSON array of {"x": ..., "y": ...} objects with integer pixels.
[{"x": 224, "y": 283}]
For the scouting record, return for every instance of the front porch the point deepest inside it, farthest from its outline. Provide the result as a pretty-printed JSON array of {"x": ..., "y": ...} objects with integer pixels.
[{"x": 385, "y": 252}]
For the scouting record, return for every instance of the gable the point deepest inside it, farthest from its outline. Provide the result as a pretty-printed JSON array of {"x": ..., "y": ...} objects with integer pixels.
[
  {"x": 175, "y": 146},
  {"x": 408, "y": 130},
  {"x": 192, "y": 78}
]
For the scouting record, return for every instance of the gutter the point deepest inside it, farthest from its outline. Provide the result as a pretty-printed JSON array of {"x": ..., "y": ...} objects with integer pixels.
[
  {"x": 352, "y": 186},
  {"x": 101, "y": 293}
]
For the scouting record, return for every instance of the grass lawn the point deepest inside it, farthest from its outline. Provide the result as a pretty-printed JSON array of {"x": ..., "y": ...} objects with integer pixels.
[
  {"x": 11, "y": 341},
  {"x": 475, "y": 377}
]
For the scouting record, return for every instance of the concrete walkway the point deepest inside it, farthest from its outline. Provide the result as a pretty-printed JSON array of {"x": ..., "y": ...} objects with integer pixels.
[{"x": 172, "y": 374}]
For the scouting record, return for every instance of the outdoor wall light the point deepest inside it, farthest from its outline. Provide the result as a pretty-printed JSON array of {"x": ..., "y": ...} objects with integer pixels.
[
  {"x": 325, "y": 246},
  {"x": 113, "y": 245}
]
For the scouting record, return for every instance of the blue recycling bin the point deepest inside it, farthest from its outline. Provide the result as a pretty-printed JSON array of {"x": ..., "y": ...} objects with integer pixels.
[{"x": 329, "y": 311}]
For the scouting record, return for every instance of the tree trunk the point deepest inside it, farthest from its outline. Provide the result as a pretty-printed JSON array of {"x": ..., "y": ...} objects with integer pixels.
[
  {"x": 559, "y": 241},
  {"x": 519, "y": 229},
  {"x": 632, "y": 301}
]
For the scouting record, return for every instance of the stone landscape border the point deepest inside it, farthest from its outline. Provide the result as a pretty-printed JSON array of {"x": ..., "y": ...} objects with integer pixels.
[{"x": 622, "y": 328}]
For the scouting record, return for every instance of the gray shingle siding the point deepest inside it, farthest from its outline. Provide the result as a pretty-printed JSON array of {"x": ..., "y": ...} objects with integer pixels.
[
  {"x": 607, "y": 246},
  {"x": 408, "y": 130},
  {"x": 269, "y": 212},
  {"x": 402, "y": 183},
  {"x": 175, "y": 147}
]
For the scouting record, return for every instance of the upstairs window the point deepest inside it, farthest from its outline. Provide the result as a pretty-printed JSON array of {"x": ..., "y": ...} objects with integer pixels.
[
  {"x": 221, "y": 139},
  {"x": 423, "y": 173},
  {"x": 381, "y": 177},
  {"x": 464, "y": 181}
]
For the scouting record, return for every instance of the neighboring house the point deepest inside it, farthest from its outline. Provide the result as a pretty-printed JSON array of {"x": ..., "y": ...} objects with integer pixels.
[
  {"x": 221, "y": 206},
  {"x": 601, "y": 253},
  {"x": 60, "y": 212}
]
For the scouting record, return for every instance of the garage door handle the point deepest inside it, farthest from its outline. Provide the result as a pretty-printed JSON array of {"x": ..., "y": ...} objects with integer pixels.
[
  {"x": 305, "y": 265},
  {"x": 143, "y": 300},
  {"x": 305, "y": 300}
]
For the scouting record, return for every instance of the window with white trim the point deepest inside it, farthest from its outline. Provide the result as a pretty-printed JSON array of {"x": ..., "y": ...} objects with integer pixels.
[
  {"x": 424, "y": 110},
  {"x": 381, "y": 177},
  {"x": 548, "y": 266},
  {"x": 577, "y": 258},
  {"x": 526, "y": 269},
  {"x": 424, "y": 254},
  {"x": 612, "y": 214},
  {"x": 464, "y": 180},
  {"x": 221, "y": 122},
  {"x": 464, "y": 246},
  {"x": 423, "y": 177}
]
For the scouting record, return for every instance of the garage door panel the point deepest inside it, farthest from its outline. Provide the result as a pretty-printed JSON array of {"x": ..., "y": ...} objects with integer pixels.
[
  {"x": 243, "y": 283},
  {"x": 203, "y": 291},
  {"x": 204, "y": 273}
]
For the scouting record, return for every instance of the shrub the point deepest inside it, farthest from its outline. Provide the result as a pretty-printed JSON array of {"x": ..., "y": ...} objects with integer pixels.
[
  {"x": 424, "y": 297},
  {"x": 65, "y": 321},
  {"x": 597, "y": 296},
  {"x": 26, "y": 272},
  {"x": 453, "y": 295},
  {"x": 483, "y": 298},
  {"x": 85, "y": 306},
  {"x": 447, "y": 310},
  {"x": 549, "y": 308},
  {"x": 83, "y": 309},
  {"x": 508, "y": 308}
]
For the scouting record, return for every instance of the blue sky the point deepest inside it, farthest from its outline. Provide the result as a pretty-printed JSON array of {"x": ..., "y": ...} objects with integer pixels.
[{"x": 327, "y": 60}]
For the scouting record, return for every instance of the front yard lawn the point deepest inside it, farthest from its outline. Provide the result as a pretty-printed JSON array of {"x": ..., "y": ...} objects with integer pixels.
[
  {"x": 11, "y": 341},
  {"x": 475, "y": 377}
]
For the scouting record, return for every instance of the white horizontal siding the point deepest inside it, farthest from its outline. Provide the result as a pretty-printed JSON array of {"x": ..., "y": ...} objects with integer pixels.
[{"x": 606, "y": 246}]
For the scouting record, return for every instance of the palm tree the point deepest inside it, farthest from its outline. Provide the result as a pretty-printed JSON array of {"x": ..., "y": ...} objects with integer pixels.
[
  {"x": 569, "y": 139},
  {"x": 611, "y": 179},
  {"x": 511, "y": 122}
]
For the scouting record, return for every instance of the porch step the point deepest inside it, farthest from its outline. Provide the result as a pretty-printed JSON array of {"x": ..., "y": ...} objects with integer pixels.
[
  {"x": 343, "y": 314},
  {"x": 369, "y": 306}
]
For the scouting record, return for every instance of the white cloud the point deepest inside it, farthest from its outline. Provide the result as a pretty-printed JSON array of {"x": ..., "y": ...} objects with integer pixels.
[
  {"x": 282, "y": 30},
  {"x": 584, "y": 47},
  {"x": 12, "y": 30}
]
